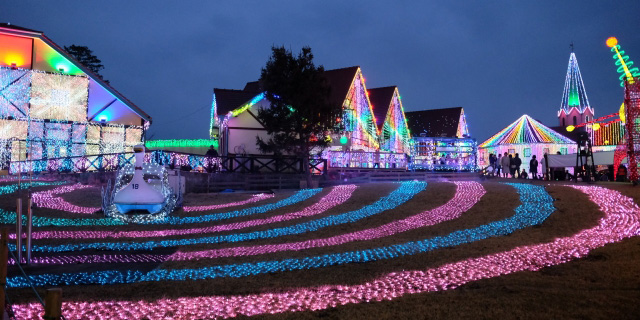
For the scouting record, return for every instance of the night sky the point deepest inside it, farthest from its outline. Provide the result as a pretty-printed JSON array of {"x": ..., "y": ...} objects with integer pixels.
[{"x": 497, "y": 59}]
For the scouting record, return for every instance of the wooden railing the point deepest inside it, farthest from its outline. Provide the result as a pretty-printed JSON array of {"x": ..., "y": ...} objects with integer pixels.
[{"x": 187, "y": 161}]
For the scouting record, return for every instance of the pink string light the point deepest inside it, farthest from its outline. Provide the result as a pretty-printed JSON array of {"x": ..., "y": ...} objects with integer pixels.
[
  {"x": 337, "y": 196},
  {"x": 50, "y": 199},
  {"x": 255, "y": 198},
  {"x": 621, "y": 221},
  {"x": 467, "y": 195}
]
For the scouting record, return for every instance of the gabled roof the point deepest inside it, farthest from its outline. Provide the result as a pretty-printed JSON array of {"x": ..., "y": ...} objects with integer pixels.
[
  {"x": 434, "y": 122},
  {"x": 381, "y": 99},
  {"x": 229, "y": 99},
  {"x": 253, "y": 86},
  {"x": 526, "y": 130},
  {"x": 340, "y": 81},
  {"x": 20, "y": 31},
  {"x": 10, "y": 26},
  {"x": 574, "y": 94}
]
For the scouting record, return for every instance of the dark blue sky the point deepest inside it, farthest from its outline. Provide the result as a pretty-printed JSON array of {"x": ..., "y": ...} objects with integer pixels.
[{"x": 497, "y": 59}]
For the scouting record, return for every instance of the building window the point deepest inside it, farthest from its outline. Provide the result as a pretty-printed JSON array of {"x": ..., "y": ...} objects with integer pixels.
[
  {"x": 563, "y": 124},
  {"x": 512, "y": 151},
  {"x": 527, "y": 152},
  {"x": 563, "y": 150},
  {"x": 574, "y": 121},
  {"x": 586, "y": 119}
]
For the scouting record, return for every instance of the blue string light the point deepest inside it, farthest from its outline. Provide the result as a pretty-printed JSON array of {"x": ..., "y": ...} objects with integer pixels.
[
  {"x": 9, "y": 217},
  {"x": 402, "y": 194},
  {"x": 537, "y": 205},
  {"x": 25, "y": 185}
]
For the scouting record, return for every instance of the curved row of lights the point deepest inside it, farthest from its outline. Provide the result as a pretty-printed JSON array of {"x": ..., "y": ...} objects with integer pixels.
[
  {"x": 402, "y": 194},
  {"x": 337, "y": 196},
  {"x": 537, "y": 205},
  {"x": 468, "y": 193},
  {"x": 8, "y": 217},
  {"x": 621, "y": 221}
]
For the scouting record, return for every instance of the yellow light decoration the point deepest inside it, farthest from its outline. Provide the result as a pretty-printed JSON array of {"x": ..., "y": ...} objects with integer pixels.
[
  {"x": 611, "y": 42},
  {"x": 596, "y": 126},
  {"x": 570, "y": 128},
  {"x": 621, "y": 113}
]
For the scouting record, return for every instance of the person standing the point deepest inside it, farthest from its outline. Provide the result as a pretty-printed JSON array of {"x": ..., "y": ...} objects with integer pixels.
[
  {"x": 492, "y": 163},
  {"x": 498, "y": 164},
  {"x": 543, "y": 167},
  {"x": 506, "y": 163},
  {"x": 518, "y": 163},
  {"x": 533, "y": 167},
  {"x": 512, "y": 166}
]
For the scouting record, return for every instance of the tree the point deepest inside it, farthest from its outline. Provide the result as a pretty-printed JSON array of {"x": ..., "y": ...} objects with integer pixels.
[
  {"x": 300, "y": 116},
  {"x": 85, "y": 56}
]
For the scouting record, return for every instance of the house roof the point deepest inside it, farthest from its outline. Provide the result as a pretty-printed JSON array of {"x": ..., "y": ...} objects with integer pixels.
[
  {"x": 253, "y": 86},
  {"x": 434, "y": 122},
  {"x": 381, "y": 99},
  {"x": 9, "y": 28},
  {"x": 574, "y": 95},
  {"x": 230, "y": 99},
  {"x": 340, "y": 81},
  {"x": 526, "y": 130}
]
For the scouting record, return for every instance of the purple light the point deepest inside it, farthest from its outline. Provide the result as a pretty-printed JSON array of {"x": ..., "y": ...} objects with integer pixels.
[
  {"x": 50, "y": 199},
  {"x": 255, "y": 198},
  {"x": 621, "y": 221},
  {"x": 337, "y": 196},
  {"x": 466, "y": 196}
]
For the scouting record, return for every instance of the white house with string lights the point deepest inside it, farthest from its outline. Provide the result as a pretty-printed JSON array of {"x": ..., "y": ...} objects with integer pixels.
[{"x": 52, "y": 107}]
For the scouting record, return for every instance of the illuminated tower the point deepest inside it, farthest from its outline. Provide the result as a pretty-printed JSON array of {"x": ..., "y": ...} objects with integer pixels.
[{"x": 575, "y": 108}]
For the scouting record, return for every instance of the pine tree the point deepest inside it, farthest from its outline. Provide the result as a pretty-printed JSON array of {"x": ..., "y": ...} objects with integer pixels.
[
  {"x": 85, "y": 56},
  {"x": 300, "y": 116}
]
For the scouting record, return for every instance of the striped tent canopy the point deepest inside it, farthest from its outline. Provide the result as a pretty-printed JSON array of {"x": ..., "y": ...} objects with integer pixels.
[{"x": 526, "y": 130}]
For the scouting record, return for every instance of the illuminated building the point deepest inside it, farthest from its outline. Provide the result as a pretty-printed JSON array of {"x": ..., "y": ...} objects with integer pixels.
[
  {"x": 235, "y": 123},
  {"x": 441, "y": 141},
  {"x": 575, "y": 108},
  {"x": 527, "y": 137},
  {"x": 390, "y": 119},
  {"x": 51, "y": 106}
]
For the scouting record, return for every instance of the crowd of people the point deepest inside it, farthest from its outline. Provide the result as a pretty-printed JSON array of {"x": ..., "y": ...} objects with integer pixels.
[{"x": 508, "y": 165}]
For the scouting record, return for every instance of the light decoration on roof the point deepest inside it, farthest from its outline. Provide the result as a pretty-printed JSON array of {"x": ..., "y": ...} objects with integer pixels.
[
  {"x": 247, "y": 105},
  {"x": 526, "y": 130},
  {"x": 625, "y": 66},
  {"x": 358, "y": 116},
  {"x": 395, "y": 135},
  {"x": 574, "y": 94},
  {"x": 214, "y": 122}
]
